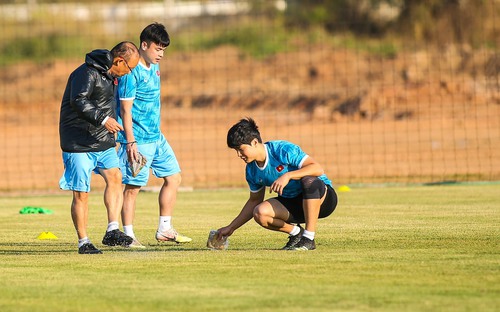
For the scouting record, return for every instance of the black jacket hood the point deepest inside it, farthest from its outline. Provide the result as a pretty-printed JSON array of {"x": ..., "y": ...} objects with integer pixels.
[{"x": 100, "y": 60}]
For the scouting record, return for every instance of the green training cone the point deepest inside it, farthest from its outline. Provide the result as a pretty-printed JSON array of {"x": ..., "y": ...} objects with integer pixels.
[{"x": 35, "y": 210}]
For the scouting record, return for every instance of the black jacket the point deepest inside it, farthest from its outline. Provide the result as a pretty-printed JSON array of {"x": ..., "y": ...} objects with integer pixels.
[{"x": 87, "y": 101}]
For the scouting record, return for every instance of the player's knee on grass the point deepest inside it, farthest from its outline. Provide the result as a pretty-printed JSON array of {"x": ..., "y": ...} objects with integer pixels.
[{"x": 312, "y": 187}]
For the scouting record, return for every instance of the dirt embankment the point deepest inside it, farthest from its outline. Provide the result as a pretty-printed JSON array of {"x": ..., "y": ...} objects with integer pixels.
[
  {"x": 318, "y": 81},
  {"x": 418, "y": 116}
]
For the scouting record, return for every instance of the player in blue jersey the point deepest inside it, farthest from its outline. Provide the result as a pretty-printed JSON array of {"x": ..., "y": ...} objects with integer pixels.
[
  {"x": 139, "y": 112},
  {"x": 304, "y": 191}
]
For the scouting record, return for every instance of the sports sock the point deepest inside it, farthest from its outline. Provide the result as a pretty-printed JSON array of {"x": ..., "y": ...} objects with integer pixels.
[
  {"x": 82, "y": 241},
  {"x": 165, "y": 223},
  {"x": 129, "y": 230},
  {"x": 295, "y": 230},
  {"x": 308, "y": 234},
  {"x": 112, "y": 226}
]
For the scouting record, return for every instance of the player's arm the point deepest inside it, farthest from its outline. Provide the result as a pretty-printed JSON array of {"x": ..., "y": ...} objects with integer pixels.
[
  {"x": 126, "y": 114},
  {"x": 245, "y": 214},
  {"x": 309, "y": 168}
]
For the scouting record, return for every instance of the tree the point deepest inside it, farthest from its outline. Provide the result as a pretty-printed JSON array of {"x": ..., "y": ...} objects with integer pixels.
[{"x": 437, "y": 21}]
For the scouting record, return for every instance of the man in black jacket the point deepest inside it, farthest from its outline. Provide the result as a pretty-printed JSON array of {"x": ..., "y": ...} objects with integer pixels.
[{"x": 87, "y": 128}]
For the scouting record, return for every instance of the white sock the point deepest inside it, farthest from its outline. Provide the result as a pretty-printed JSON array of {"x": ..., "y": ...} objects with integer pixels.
[
  {"x": 129, "y": 230},
  {"x": 308, "y": 234},
  {"x": 165, "y": 223},
  {"x": 113, "y": 226},
  {"x": 295, "y": 230},
  {"x": 82, "y": 241}
]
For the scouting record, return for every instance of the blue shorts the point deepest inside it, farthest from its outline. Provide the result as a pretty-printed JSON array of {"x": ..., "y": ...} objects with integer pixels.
[
  {"x": 160, "y": 158},
  {"x": 78, "y": 168}
]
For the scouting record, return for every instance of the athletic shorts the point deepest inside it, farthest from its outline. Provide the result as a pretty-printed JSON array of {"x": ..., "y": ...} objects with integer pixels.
[
  {"x": 295, "y": 205},
  {"x": 160, "y": 158},
  {"x": 78, "y": 168}
]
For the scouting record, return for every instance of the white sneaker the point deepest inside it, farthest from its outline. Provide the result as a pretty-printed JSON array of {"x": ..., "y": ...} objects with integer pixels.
[
  {"x": 136, "y": 245},
  {"x": 171, "y": 236}
]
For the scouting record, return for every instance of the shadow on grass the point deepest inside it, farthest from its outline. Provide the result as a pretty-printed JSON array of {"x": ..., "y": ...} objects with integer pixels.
[
  {"x": 22, "y": 248},
  {"x": 39, "y": 248}
]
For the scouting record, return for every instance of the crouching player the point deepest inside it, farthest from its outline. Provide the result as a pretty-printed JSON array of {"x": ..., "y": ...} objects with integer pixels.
[{"x": 304, "y": 192}]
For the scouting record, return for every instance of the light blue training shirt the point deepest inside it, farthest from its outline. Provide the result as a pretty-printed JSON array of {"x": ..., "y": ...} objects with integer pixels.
[
  {"x": 282, "y": 157},
  {"x": 142, "y": 86}
]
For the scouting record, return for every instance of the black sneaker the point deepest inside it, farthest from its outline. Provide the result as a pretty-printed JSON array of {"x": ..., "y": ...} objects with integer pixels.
[
  {"x": 293, "y": 240},
  {"x": 305, "y": 244},
  {"x": 88, "y": 248},
  {"x": 117, "y": 238}
]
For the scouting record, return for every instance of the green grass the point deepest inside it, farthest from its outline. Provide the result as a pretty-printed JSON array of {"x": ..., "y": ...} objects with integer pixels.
[
  {"x": 433, "y": 248},
  {"x": 250, "y": 39}
]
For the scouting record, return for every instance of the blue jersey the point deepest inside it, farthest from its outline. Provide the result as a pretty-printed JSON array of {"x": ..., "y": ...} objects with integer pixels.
[
  {"x": 142, "y": 86},
  {"x": 281, "y": 157}
]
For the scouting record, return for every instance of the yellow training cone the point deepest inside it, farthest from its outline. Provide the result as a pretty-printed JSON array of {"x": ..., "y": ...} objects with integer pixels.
[
  {"x": 47, "y": 235},
  {"x": 344, "y": 188}
]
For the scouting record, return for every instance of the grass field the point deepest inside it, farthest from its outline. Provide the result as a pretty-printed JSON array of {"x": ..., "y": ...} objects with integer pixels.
[{"x": 425, "y": 248}]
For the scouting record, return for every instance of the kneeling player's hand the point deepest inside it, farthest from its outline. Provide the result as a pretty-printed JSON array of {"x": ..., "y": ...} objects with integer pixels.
[{"x": 224, "y": 232}]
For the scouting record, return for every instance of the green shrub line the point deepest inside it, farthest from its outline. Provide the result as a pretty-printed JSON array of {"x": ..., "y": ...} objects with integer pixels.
[
  {"x": 267, "y": 31},
  {"x": 250, "y": 40}
]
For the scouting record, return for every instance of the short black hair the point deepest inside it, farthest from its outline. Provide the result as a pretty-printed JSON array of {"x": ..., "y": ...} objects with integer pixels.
[
  {"x": 156, "y": 33},
  {"x": 243, "y": 132}
]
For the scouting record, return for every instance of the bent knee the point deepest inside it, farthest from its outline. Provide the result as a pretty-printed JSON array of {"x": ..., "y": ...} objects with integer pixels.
[
  {"x": 261, "y": 212},
  {"x": 174, "y": 180},
  {"x": 312, "y": 187},
  {"x": 131, "y": 190},
  {"x": 114, "y": 176},
  {"x": 80, "y": 196}
]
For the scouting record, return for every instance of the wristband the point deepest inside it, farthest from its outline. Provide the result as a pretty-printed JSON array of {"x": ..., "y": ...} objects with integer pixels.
[{"x": 133, "y": 142}]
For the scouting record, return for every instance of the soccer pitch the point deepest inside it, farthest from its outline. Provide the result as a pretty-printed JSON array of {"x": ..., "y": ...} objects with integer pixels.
[{"x": 423, "y": 248}]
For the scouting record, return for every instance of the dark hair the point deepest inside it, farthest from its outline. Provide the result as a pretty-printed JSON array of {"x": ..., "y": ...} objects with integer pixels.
[
  {"x": 243, "y": 133},
  {"x": 156, "y": 33},
  {"x": 125, "y": 49}
]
